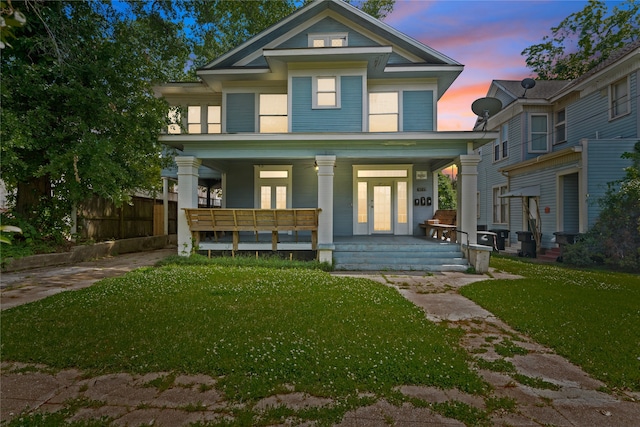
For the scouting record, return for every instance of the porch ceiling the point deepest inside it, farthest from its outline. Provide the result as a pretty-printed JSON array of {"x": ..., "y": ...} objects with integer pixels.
[{"x": 352, "y": 145}]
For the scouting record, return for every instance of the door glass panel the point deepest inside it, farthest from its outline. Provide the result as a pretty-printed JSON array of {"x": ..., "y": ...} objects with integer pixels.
[
  {"x": 362, "y": 202},
  {"x": 281, "y": 197},
  {"x": 382, "y": 208},
  {"x": 265, "y": 197},
  {"x": 402, "y": 202}
]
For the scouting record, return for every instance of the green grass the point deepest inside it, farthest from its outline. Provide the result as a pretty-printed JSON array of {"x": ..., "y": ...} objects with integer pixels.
[
  {"x": 244, "y": 260},
  {"x": 590, "y": 317},
  {"x": 258, "y": 330}
]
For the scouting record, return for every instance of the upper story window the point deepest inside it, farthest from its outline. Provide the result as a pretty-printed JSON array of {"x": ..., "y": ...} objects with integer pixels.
[
  {"x": 561, "y": 127},
  {"x": 328, "y": 40},
  {"x": 214, "y": 119},
  {"x": 325, "y": 91},
  {"x": 538, "y": 133},
  {"x": 383, "y": 112},
  {"x": 619, "y": 98},
  {"x": 174, "y": 121},
  {"x": 194, "y": 119},
  {"x": 501, "y": 145},
  {"x": 273, "y": 113}
]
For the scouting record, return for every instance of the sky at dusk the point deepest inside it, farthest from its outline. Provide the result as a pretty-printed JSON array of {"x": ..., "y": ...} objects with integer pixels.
[{"x": 486, "y": 36}]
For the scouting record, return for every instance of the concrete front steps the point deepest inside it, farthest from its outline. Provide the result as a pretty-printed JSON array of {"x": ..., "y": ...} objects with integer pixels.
[{"x": 380, "y": 256}]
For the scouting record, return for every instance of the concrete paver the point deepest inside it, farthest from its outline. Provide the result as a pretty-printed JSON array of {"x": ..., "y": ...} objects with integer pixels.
[{"x": 131, "y": 400}]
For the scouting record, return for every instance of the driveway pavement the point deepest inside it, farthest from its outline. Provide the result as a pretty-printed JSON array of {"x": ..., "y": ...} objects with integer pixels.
[{"x": 575, "y": 400}]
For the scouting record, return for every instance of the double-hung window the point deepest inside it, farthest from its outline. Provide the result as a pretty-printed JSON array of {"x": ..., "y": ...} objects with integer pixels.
[
  {"x": 194, "y": 119},
  {"x": 174, "y": 121},
  {"x": 561, "y": 127},
  {"x": 383, "y": 112},
  {"x": 501, "y": 145},
  {"x": 538, "y": 133},
  {"x": 619, "y": 98},
  {"x": 500, "y": 205},
  {"x": 214, "y": 119},
  {"x": 273, "y": 113},
  {"x": 325, "y": 92}
]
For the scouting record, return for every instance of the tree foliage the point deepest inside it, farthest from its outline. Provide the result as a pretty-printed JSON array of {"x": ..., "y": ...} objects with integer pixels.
[
  {"x": 78, "y": 113},
  {"x": 615, "y": 237},
  {"x": 447, "y": 198},
  {"x": 584, "y": 39}
]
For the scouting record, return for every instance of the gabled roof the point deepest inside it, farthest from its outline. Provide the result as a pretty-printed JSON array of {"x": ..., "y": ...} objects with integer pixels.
[
  {"x": 387, "y": 51},
  {"x": 543, "y": 89},
  {"x": 306, "y": 13}
]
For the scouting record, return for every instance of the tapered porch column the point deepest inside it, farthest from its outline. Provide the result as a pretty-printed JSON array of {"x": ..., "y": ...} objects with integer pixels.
[
  {"x": 325, "y": 202},
  {"x": 187, "y": 198},
  {"x": 468, "y": 197}
]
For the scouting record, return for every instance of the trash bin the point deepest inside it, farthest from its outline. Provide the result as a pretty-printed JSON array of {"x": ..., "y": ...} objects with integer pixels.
[
  {"x": 527, "y": 244},
  {"x": 501, "y": 236}
]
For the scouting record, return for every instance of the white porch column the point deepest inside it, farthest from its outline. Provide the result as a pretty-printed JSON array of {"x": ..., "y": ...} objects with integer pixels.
[
  {"x": 325, "y": 202},
  {"x": 187, "y": 198},
  {"x": 468, "y": 197},
  {"x": 165, "y": 205}
]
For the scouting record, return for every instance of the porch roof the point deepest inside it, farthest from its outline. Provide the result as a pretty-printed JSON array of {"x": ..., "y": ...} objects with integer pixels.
[{"x": 355, "y": 140}]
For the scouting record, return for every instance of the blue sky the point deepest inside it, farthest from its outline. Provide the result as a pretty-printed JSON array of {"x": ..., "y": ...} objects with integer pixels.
[{"x": 486, "y": 36}]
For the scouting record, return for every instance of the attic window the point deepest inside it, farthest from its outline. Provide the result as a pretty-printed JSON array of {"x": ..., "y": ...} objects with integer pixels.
[{"x": 328, "y": 40}]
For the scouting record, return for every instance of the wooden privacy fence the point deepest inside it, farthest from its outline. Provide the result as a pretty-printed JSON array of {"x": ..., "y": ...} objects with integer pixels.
[
  {"x": 253, "y": 220},
  {"x": 100, "y": 219}
]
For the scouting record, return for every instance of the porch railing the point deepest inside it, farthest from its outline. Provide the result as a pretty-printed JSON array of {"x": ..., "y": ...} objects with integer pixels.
[{"x": 218, "y": 220}]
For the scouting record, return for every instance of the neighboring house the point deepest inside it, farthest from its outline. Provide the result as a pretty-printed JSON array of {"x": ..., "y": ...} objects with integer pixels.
[
  {"x": 330, "y": 109},
  {"x": 559, "y": 145}
]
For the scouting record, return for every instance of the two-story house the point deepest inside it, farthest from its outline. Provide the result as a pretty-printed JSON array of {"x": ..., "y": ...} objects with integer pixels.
[
  {"x": 560, "y": 144},
  {"x": 328, "y": 109}
]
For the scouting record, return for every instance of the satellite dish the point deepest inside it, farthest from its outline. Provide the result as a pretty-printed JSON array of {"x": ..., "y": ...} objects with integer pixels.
[
  {"x": 527, "y": 84},
  {"x": 485, "y": 108}
]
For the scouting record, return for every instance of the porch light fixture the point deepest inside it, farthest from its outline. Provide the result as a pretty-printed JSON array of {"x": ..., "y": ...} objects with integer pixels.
[{"x": 315, "y": 165}]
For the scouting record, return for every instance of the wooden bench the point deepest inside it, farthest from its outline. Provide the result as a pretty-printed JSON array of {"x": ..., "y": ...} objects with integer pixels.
[
  {"x": 442, "y": 226},
  {"x": 254, "y": 220}
]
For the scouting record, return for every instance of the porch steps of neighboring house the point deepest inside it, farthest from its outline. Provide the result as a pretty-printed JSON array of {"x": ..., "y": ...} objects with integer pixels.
[
  {"x": 550, "y": 255},
  {"x": 380, "y": 256}
]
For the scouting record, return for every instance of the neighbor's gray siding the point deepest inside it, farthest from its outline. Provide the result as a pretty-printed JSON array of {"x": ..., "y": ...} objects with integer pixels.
[
  {"x": 489, "y": 177},
  {"x": 241, "y": 116},
  {"x": 604, "y": 165},
  {"x": 589, "y": 117},
  {"x": 348, "y": 118},
  {"x": 570, "y": 199},
  {"x": 417, "y": 108},
  {"x": 546, "y": 179}
]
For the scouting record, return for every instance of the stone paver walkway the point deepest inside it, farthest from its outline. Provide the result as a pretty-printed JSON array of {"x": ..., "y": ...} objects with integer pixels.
[{"x": 570, "y": 397}]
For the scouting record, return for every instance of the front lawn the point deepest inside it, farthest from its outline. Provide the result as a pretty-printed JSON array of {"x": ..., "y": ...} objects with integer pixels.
[
  {"x": 590, "y": 317},
  {"x": 260, "y": 331}
]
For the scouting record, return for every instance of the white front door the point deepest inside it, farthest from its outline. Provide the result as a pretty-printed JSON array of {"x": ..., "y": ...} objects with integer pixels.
[
  {"x": 381, "y": 201},
  {"x": 381, "y": 209}
]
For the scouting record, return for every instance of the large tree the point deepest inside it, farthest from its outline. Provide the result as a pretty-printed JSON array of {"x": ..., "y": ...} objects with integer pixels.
[
  {"x": 584, "y": 39},
  {"x": 78, "y": 113}
]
